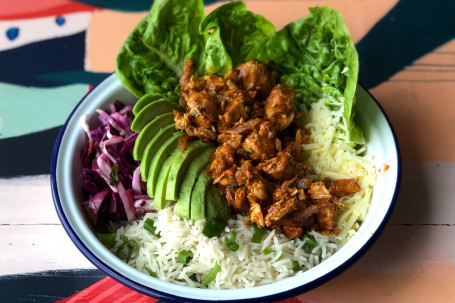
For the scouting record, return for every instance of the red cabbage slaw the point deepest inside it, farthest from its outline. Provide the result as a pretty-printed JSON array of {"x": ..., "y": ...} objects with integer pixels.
[{"x": 111, "y": 179}]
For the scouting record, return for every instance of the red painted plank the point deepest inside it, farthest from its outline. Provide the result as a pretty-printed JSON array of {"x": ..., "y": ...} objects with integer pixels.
[
  {"x": 21, "y": 9},
  {"x": 108, "y": 291}
]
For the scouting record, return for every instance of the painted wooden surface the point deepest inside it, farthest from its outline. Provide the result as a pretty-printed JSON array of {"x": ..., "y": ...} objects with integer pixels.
[{"x": 414, "y": 258}]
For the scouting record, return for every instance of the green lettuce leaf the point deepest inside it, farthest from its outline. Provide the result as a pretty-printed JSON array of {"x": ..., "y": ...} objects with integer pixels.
[
  {"x": 231, "y": 31},
  {"x": 317, "y": 57},
  {"x": 153, "y": 55},
  {"x": 216, "y": 58},
  {"x": 315, "y": 54}
]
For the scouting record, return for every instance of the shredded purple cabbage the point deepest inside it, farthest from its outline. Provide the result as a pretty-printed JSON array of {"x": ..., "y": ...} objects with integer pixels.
[{"x": 110, "y": 176}]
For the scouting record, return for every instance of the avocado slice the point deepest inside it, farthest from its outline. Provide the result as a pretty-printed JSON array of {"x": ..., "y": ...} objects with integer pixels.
[
  {"x": 161, "y": 154},
  {"x": 159, "y": 201},
  {"x": 149, "y": 131},
  {"x": 216, "y": 205},
  {"x": 150, "y": 112},
  {"x": 198, "y": 196},
  {"x": 179, "y": 167},
  {"x": 153, "y": 146},
  {"x": 183, "y": 206},
  {"x": 146, "y": 100}
]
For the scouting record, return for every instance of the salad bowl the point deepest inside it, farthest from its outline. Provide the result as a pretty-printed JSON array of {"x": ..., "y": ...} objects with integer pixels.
[{"x": 66, "y": 189}]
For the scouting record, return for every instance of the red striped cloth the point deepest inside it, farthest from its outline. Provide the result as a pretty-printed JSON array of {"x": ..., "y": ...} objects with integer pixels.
[{"x": 110, "y": 291}]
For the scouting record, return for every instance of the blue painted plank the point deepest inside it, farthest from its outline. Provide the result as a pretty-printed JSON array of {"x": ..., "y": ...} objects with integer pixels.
[
  {"x": 44, "y": 287},
  {"x": 27, "y": 155}
]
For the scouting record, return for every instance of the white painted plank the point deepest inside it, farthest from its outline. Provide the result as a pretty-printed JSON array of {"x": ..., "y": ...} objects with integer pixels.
[
  {"x": 34, "y": 248},
  {"x": 27, "y": 200}
]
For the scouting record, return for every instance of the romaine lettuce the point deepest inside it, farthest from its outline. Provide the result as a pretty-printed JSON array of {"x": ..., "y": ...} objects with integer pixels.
[
  {"x": 317, "y": 57},
  {"x": 315, "y": 54},
  {"x": 153, "y": 55},
  {"x": 231, "y": 31}
]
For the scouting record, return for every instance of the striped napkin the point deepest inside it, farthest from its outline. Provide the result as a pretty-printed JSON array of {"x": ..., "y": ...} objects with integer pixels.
[{"x": 108, "y": 290}]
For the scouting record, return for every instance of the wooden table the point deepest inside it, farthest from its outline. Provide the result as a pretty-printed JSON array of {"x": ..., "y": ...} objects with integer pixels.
[{"x": 52, "y": 51}]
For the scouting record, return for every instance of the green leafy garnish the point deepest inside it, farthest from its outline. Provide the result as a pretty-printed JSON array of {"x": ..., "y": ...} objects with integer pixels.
[
  {"x": 149, "y": 225},
  {"x": 151, "y": 272},
  {"x": 108, "y": 240},
  {"x": 309, "y": 243},
  {"x": 185, "y": 257},
  {"x": 258, "y": 234},
  {"x": 295, "y": 265},
  {"x": 213, "y": 227},
  {"x": 211, "y": 275},
  {"x": 126, "y": 250},
  {"x": 194, "y": 277},
  {"x": 266, "y": 251},
  {"x": 230, "y": 243},
  {"x": 113, "y": 176}
]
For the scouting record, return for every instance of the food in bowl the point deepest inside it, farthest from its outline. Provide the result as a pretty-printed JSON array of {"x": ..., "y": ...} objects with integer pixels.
[{"x": 314, "y": 61}]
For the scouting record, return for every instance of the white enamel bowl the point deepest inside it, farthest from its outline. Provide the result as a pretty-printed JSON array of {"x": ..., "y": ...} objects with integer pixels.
[{"x": 66, "y": 184}]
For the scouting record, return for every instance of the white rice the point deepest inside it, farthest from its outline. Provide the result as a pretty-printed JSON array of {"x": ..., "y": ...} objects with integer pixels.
[{"x": 249, "y": 266}]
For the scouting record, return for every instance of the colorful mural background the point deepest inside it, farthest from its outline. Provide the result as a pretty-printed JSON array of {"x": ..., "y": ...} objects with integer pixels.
[{"x": 53, "y": 51}]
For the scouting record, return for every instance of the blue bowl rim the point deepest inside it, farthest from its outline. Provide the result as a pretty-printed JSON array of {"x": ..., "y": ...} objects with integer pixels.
[{"x": 175, "y": 298}]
